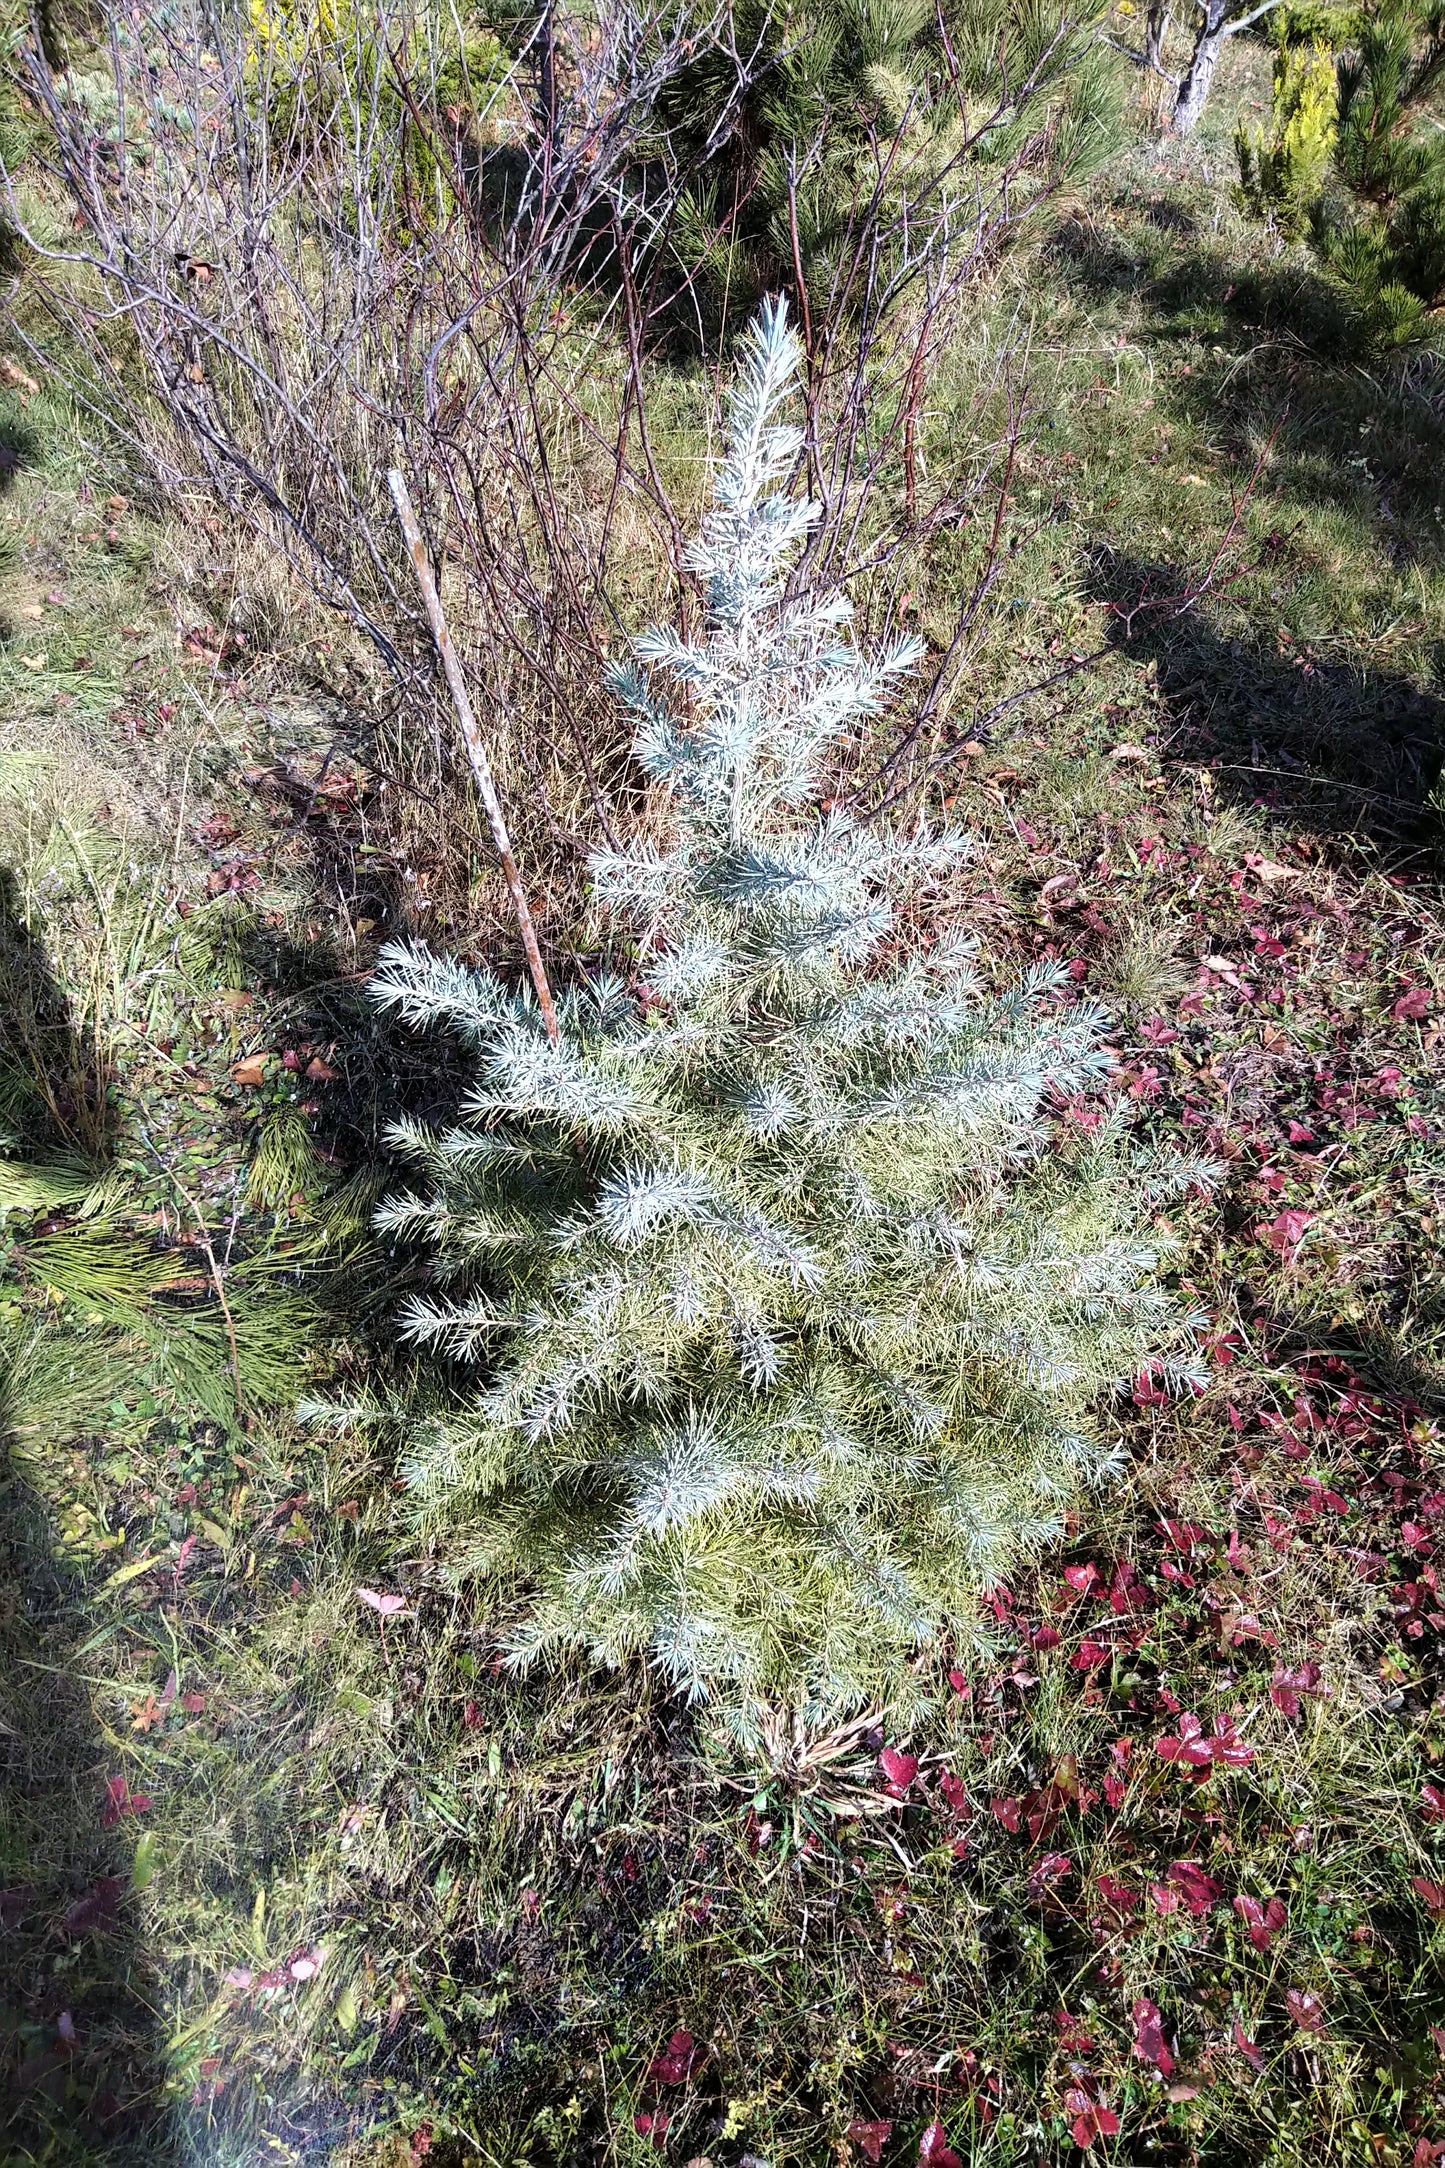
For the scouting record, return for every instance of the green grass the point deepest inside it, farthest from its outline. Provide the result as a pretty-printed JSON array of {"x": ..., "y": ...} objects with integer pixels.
[{"x": 520, "y": 1889}]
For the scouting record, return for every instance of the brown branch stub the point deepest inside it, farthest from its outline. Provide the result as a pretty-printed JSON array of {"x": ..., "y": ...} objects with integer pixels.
[{"x": 472, "y": 738}]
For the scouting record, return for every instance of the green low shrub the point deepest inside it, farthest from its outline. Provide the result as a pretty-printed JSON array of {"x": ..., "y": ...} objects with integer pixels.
[{"x": 1282, "y": 170}]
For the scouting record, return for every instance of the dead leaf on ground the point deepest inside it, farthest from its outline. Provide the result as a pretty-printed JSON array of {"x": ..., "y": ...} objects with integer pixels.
[{"x": 1266, "y": 870}]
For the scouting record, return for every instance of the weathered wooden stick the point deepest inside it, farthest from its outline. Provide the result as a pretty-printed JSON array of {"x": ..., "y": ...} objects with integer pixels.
[{"x": 476, "y": 751}]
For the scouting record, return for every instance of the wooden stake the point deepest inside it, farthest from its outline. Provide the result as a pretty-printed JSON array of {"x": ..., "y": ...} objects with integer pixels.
[{"x": 472, "y": 737}]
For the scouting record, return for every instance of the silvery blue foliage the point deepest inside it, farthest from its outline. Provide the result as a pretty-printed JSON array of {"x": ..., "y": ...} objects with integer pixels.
[{"x": 789, "y": 1309}]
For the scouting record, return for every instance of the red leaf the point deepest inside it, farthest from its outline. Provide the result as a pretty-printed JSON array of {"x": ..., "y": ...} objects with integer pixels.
[
  {"x": 1188, "y": 1746},
  {"x": 1432, "y": 1803},
  {"x": 1263, "y": 1921},
  {"x": 952, "y": 1788},
  {"x": 1088, "y": 1654},
  {"x": 678, "y": 2060},
  {"x": 1306, "y": 2009},
  {"x": 1051, "y": 1868},
  {"x": 1117, "y": 1895},
  {"x": 1091, "y": 2119},
  {"x": 97, "y": 1908},
  {"x": 119, "y": 1800},
  {"x": 653, "y": 2126},
  {"x": 1073, "y": 2038},
  {"x": 1164, "y": 1900},
  {"x": 1199, "y": 1890},
  {"x": 1007, "y": 1811},
  {"x": 1083, "y": 1578},
  {"x": 958, "y": 1680},
  {"x": 1247, "y": 2047},
  {"x": 934, "y": 2149},
  {"x": 899, "y": 1770},
  {"x": 1196, "y": 1750},
  {"x": 1149, "y": 2036},
  {"x": 1413, "y": 1005},
  {"x": 1431, "y": 1894},
  {"x": 1185, "y": 1535},
  {"x": 1286, "y": 1231},
  {"x": 1287, "y": 1686},
  {"x": 871, "y": 2137}
]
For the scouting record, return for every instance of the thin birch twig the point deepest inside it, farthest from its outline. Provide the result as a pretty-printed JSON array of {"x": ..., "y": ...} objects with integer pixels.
[{"x": 472, "y": 737}]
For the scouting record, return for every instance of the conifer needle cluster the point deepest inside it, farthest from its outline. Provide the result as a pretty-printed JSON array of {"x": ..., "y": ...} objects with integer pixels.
[{"x": 790, "y": 1306}]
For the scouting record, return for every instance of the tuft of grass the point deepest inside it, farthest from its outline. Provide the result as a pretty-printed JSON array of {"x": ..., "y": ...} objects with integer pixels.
[{"x": 1142, "y": 967}]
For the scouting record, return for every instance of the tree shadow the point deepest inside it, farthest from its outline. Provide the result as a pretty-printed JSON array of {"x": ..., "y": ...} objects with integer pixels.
[
  {"x": 1346, "y": 433},
  {"x": 81, "y": 2043},
  {"x": 1367, "y": 743},
  {"x": 81, "y": 2058}
]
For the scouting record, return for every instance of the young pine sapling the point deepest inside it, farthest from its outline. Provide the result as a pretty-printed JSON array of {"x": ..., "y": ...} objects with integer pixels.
[{"x": 790, "y": 1297}]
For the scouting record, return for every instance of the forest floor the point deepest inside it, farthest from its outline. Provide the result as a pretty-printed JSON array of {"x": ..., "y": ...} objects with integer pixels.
[{"x": 285, "y": 1877}]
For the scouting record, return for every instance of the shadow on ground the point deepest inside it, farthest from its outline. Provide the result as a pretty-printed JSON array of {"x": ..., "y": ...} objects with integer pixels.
[
  {"x": 1281, "y": 727},
  {"x": 81, "y": 2061},
  {"x": 1271, "y": 356},
  {"x": 80, "y": 2032}
]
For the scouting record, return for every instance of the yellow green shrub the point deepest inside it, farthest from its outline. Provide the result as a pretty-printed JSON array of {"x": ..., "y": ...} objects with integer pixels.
[{"x": 1282, "y": 169}]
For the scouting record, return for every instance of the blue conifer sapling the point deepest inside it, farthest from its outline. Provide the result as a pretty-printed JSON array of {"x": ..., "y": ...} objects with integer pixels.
[{"x": 788, "y": 1308}]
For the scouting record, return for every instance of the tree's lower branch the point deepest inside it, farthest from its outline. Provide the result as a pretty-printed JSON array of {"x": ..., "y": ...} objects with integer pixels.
[
  {"x": 1146, "y": 61},
  {"x": 1243, "y": 22}
]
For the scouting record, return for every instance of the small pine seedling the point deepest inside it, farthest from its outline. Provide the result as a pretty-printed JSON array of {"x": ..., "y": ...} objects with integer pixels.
[{"x": 791, "y": 1305}]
